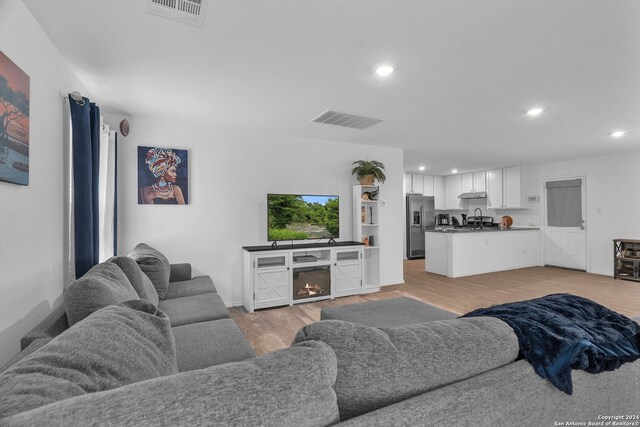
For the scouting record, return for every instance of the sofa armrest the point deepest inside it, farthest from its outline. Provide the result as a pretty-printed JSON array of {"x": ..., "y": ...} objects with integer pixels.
[
  {"x": 52, "y": 325},
  {"x": 180, "y": 272},
  {"x": 35, "y": 345}
]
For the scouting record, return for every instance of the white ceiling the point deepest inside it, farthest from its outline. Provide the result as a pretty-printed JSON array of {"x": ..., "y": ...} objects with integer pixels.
[{"x": 466, "y": 71}]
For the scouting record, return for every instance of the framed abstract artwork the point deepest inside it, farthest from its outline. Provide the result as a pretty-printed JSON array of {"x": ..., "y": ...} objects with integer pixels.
[
  {"x": 14, "y": 123},
  {"x": 163, "y": 176}
]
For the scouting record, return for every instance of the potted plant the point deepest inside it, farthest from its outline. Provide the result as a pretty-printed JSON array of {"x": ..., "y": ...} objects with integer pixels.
[{"x": 367, "y": 171}]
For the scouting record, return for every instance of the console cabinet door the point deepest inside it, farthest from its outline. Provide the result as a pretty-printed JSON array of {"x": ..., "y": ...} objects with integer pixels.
[
  {"x": 347, "y": 272},
  {"x": 348, "y": 280},
  {"x": 272, "y": 281}
]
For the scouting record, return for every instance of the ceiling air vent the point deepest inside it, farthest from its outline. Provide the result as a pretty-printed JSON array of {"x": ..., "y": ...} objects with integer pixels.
[
  {"x": 345, "y": 119},
  {"x": 188, "y": 11}
]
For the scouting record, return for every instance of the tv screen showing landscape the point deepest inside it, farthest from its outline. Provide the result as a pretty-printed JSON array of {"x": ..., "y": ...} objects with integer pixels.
[{"x": 302, "y": 217}]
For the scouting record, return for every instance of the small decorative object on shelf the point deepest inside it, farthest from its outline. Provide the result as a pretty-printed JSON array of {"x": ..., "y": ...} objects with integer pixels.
[
  {"x": 370, "y": 196},
  {"x": 363, "y": 215},
  {"x": 370, "y": 215},
  {"x": 365, "y": 240},
  {"x": 368, "y": 171},
  {"x": 371, "y": 241}
]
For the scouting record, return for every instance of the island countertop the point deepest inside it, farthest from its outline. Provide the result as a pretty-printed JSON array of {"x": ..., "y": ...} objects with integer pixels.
[{"x": 484, "y": 230}]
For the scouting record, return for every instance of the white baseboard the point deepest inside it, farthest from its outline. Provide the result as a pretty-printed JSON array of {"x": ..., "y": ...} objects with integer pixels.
[{"x": 235, "y": 304}]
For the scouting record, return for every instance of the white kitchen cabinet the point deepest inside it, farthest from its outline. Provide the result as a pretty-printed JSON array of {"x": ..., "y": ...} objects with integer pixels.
[
  {"x": 414, "y": 183},
  {"x": 473, "y": 182},
  {"x": 479, "y": 181},
  {"x": 494, "y": 189},
  {"x": 438, "y": 193},
  {"x": 512, "y": 182},
  {"x": 427, "y": 185},
  {"x": 452, "y": 188},
  {"x": 504, "y": 188},
  {"x": 467, "y": 183}
]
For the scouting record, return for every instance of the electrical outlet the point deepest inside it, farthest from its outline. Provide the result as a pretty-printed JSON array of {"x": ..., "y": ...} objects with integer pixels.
[{"x": 534, "y": 199}]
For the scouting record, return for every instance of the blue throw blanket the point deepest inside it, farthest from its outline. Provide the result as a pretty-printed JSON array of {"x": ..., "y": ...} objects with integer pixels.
[{"x": 561, "y": 332}]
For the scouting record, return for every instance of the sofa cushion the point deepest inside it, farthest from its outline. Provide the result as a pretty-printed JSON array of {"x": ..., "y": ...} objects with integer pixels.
[
  {"x": 155, "y": 265},
  {"x": 205, "y": 344},
  {"x": 115, "y": 346},
  {"x": 103, "y": 285},
  {"x": 290, "y": 387},
  {"x": 197, "y": 286},
  {"x": 140, "y": 281},
  {"x": 379, "y": 367},
  {"x": 194, "y": 309}
]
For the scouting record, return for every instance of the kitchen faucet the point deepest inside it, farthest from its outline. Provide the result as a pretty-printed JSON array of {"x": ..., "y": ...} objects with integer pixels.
[{"x": 476, "y": 218}]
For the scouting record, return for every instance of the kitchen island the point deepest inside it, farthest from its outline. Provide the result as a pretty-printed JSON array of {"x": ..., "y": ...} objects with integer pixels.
[{"x": 464, "y": 252}]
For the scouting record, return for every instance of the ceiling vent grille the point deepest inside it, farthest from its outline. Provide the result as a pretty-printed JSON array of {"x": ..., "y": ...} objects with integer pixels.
[
  {"x": 346, "y": 120},
  {"x": 188, "y": 11}
]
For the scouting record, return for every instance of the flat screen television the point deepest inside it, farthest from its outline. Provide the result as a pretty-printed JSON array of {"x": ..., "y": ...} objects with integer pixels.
[{"x": 302, "y": 217}]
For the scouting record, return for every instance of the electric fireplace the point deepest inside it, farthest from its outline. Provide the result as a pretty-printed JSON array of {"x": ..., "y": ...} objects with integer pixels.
[{"x": 311, "y": 282}]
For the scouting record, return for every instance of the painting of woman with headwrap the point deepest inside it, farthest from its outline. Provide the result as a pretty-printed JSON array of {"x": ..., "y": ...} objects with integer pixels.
[{"x": 163, "y": 176}]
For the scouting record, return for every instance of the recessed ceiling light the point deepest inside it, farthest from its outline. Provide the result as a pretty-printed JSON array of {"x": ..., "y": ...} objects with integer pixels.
[
  {"x": 454, "y": 170},
  {"x": 618, "y": 133},
  {"x": 421, "y": 168},
  {"x": 536, "y": 111},
  {"x": 384, "y": 70}
]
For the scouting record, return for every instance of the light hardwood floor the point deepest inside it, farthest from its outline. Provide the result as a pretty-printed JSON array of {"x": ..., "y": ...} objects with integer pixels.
[{"x": 271, "y": 329}]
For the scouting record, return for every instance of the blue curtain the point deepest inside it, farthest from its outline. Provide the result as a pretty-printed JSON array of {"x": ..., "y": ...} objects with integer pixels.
[{"x": 85, "y": 126}]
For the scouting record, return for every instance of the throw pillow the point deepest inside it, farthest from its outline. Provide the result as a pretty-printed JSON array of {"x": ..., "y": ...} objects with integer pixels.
[
  {"x": 140, "y": 281},
  {"x": 155, "y": 265},
  {"x": 115, "y": 346},
  {"x": 103, "y": 285},
  {"x": 290, "y": 387},
  {"x": 381, "y": 366}
]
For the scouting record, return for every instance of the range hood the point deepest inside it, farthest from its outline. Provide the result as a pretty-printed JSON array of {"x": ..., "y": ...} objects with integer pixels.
[{"x": 476, "y": 195}]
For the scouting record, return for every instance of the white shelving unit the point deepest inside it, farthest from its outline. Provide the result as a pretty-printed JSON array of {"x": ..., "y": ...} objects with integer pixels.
[{"x": 366, "y": 227}]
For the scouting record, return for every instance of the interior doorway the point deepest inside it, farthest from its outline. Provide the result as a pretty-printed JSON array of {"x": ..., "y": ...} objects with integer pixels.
[{"x": 565, "y": 223}]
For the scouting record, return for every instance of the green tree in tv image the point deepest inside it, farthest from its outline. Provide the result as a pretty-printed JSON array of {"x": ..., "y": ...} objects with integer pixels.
[{"x": 291, "y": 217}]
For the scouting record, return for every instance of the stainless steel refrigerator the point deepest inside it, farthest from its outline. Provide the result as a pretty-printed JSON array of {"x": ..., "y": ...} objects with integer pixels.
[{"x": 420, "y": 215}]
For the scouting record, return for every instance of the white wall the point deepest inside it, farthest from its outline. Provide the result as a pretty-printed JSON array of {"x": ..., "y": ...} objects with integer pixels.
[
  {"x": 231, "y": 172},
  {"x": 31, "y": 234},
  {"x": 613, "y": 202}
]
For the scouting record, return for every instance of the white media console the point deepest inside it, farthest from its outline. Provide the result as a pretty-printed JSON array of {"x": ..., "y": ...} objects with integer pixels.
[{"x": 291, "y": 274}]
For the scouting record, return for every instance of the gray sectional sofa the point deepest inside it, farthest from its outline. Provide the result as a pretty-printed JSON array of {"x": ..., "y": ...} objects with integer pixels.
[
  {"x": 121, "y": 365},
  {"x": 201, "y": 325}
]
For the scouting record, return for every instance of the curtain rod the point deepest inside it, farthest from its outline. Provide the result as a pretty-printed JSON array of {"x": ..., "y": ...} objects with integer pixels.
[{"x": 77, "y": 96}]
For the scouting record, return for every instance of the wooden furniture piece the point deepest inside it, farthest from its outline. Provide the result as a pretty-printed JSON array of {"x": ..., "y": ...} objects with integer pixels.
[
  {"x": 291, "y": 274},
  {"x": 626, "y": 259}
]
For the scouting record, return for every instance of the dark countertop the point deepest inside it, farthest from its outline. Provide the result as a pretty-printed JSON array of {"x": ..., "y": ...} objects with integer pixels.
[
  {"x": 290, "y": 246},
  {"x": 485, "y": 230}
]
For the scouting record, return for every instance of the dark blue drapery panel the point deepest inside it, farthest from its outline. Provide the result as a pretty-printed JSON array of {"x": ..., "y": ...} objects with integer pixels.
[{"x": 85, "y": 125}]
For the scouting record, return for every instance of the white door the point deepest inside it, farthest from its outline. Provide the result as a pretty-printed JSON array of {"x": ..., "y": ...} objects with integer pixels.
[
  {"x": 348, "y": 279},
  {"x": 566, "y": 246}
]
